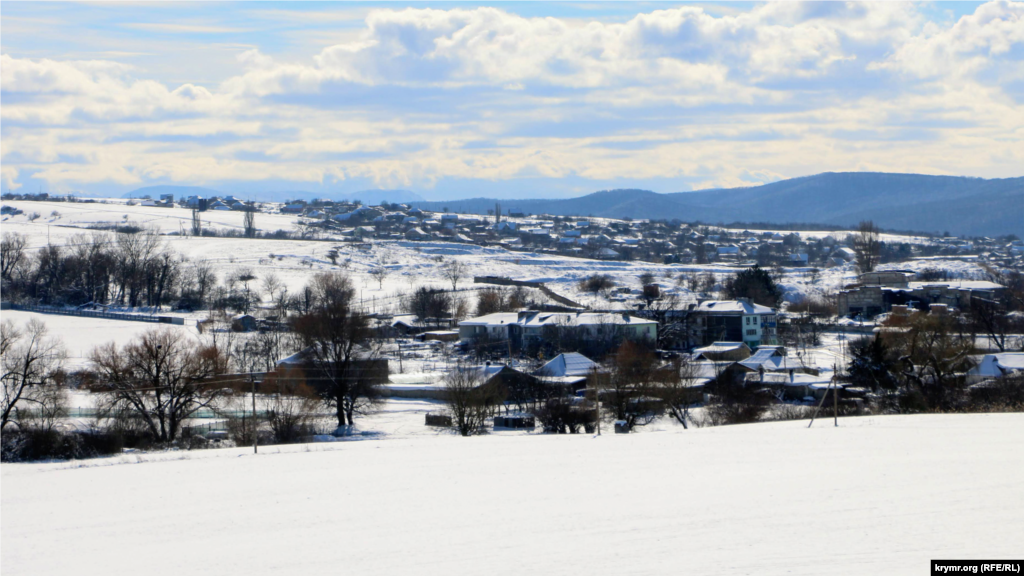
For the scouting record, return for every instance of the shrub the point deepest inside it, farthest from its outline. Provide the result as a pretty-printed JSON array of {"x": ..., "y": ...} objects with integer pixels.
[
  {"x": 596, "y": 283},
  {"x": 35, "y": 444}
]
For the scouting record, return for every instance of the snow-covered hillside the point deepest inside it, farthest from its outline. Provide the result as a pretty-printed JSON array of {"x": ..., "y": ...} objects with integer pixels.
[
  {"x": 878, "y": 495},
  {"x": 412, "y": 264}
]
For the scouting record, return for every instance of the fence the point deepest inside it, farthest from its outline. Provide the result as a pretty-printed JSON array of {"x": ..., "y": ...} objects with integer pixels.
[
  {"x": 95, "y": 314},
  {"x": 202, "y": 414}
]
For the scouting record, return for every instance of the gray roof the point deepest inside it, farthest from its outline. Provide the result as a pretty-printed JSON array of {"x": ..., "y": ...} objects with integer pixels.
[{"x": 568, "y": 364}]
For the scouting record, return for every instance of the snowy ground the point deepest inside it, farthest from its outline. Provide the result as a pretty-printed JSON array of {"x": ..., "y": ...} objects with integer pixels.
[
  {"x": 81, "y": 334},
  {"x": 878, "y": 495}
]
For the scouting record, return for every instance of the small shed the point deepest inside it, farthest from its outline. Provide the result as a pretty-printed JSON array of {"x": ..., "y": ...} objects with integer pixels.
[
  {"x": 244, "y": 323},
  {"x": 441, "y": 335}
]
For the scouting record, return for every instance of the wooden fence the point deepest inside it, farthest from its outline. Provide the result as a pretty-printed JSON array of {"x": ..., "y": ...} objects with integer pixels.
[{"x": 95, "y": 314}]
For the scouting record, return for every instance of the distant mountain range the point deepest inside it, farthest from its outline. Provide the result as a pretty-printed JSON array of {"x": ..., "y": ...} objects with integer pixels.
[
  {"x": 958, "y": 205},
  {"x": 178, "y": 191},
  {"x": 368, "y": 197}
]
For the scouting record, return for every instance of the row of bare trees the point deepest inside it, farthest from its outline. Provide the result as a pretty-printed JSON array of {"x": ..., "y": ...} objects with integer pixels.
[{"x": 133, "y": 269}]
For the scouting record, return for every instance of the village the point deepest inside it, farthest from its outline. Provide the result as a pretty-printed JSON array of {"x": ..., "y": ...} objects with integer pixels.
[{"x": 730, "y": 326}]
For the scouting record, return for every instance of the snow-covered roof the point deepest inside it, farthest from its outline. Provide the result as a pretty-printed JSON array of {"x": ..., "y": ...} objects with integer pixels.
[
  {"x": 958, "y": 285},
  {"x": 496, "y": 319},
  {"x": 540, "y": 319},
  {"x": 771, "y": 363},
  {"x": 719, "y": 347},
  {"x": 581, "y": 319},
  {"x": 568, "y": 364},
  {"x": 733, "y": 307},
  {"x": 996, "y": 365},
  {"x": 708, "y": 370}
]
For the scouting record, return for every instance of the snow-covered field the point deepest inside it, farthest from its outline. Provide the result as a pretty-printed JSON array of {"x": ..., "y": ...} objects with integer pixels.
[
  {"x": 81, "y": 334},
  {"x": 878, "y": 495}
]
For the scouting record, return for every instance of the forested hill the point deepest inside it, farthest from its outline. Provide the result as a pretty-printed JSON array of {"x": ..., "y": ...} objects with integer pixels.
[{"x": 959, "y": 205}]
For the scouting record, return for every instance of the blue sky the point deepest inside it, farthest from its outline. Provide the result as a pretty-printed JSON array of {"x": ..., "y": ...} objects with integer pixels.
[{"x": 516, "y": 99}]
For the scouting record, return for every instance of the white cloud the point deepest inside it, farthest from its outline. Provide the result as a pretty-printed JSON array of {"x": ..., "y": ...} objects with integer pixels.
[
  {"x": 488, "y": 46},
  {"x": 977, "y": 41},
  {"x": 9, "y": 175},
  {"x": 425, "y": 95}
]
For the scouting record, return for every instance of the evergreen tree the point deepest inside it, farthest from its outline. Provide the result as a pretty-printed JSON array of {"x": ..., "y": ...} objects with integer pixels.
[{"x": 756, "y": 284}]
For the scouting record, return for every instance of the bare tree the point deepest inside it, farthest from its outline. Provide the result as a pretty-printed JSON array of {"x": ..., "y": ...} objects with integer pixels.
[
  {"x": 678, "y": 391},
  {"x": 380, "y": 273},
  {"x": 992, "y": 318},
  {"x": 289, "y": 405},
  {"x": 29, "y": 362},
  {"x": 271, "y": 285},
  {"x": 453, "y": 271},
  {"x": 343, "y": 365},
  {"x": 631, "y": 385},
  {"x": 245, "y": 276},
  {"x": 200, "y": 280},
  {"x": 162, "y": 378},
  {"x": 867, "y": 245},
  {"x": 249, "y": 220},
  {"x": 12, "y": 253},
  {"x": 469, "y": 402}
]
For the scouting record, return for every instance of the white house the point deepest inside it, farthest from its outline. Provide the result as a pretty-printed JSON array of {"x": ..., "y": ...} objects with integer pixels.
[{"x": 737, "y": 321}]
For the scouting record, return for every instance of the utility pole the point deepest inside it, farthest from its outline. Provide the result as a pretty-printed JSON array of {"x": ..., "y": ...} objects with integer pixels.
[
  {"x": 835, "y": 398},
  {"x": 255, "y": 429},
  {"x": 834, "y": 388}
]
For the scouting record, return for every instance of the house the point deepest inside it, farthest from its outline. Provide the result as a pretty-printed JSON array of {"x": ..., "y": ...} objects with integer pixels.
[
  {"x": 293, "y": 209},
  {"x": 996, "y": 366},
  {"x": 243, "y": 323},
  {"x": 845, "y": 254},
  {"x": 798, "y": 259},
  {"x": 364, "y": 365},
  {"x": 735, "y": 321},
  {"x": 568, "y": 369},
  {"x": 506, "y": 380},
  {"x": 416, "y": 234},
  {"x": 726, "y": 252},
  {"x": 523, "y": 328},
  {"x": 774, "y": 359},
  {"x": 489, "y": 327},
  {"x": 440, "y": 336},
  {"x": 409, "y": 324},
  {"x": 722, "y": 351},
  {"x": 878, "y": 292}
]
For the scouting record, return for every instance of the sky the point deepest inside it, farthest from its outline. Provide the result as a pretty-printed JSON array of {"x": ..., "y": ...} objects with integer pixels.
[{"x": 505, "y": 100}]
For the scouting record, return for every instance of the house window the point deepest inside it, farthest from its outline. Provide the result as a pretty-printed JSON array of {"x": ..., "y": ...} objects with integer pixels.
[{"x": 752, "y": 332}]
